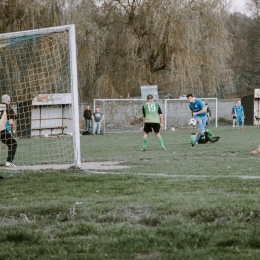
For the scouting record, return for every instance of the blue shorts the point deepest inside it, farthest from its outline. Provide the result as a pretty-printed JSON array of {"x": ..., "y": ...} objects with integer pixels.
[
  {"x": 203, "y": 119},
  {"x": 239, "y": 118}
]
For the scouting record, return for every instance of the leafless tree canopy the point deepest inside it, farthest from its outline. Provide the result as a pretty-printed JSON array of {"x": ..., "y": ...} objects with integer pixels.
[{"x": 180, "y": 45}]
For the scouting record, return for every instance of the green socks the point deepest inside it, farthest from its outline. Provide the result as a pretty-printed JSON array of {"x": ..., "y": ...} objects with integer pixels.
[
  {"x": 145, "y": 140},
  {"x": 160, "y": 140}
]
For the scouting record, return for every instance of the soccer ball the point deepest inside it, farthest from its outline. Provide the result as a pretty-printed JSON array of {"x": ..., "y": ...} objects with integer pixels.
[{"x": 192, "y": 122}]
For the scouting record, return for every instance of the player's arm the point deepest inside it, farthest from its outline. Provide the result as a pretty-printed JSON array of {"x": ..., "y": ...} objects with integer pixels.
[
  {"x": 11, "y": 117},
  {"x": 161, "y": 120},
  {"x": 102, "y": 118},
  {"x": 161, "y": 116},
  {"x": 203, "y": 110},
  {"x": 142, "y": 127}
]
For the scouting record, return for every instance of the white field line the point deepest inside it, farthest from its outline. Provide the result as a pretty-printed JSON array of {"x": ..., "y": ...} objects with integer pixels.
[{"x": 177, "y": 176}]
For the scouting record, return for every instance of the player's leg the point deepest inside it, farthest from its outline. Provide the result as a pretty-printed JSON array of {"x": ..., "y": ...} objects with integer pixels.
[
  {"x": 210, "y": 135},
  {"x": 200, "y": 128},
  {"x": 201, "y": 124},
  {"x": 159, "y": 137},
  {"x": 98, "y": 127},
  {"x": 160, "y": 140},
  {"x": 257, "y": 150},
  {"x": 237, "y": 122},
  {"x": 94, "y": 128},
  {"x": 242, "y": 123},
  {"x": 86, "y": 125},
  {"x": 11, "y": 143},
  {"x": 147, "y": 130},
  {"x": 145, "y": 141}
]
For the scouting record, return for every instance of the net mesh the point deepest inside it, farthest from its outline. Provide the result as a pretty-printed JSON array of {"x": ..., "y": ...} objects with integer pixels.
[{"x": 35, "y": 73}]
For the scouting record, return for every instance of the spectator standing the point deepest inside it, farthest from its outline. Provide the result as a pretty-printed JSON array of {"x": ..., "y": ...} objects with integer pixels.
[
  {"x": 97, "y": 118},
  {"x": 87, "y": 115}
]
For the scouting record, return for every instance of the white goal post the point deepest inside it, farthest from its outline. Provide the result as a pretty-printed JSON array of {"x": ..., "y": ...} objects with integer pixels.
[
  {"x": 38, "y": 70},
  {"x": 125, "y": 115}
]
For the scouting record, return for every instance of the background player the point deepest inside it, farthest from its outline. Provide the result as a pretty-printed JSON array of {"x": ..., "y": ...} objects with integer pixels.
[
  {"x": 152, "y": 119},
  {"x": 199, "y": 113},
  {"x": 239, "y": 110},
  {"x": 234, "y": 114}
]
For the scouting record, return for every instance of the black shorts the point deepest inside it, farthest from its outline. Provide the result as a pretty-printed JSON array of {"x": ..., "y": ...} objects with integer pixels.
[
  {"x": 149, "y": 126},
  {"x": 234, "y": 117}
]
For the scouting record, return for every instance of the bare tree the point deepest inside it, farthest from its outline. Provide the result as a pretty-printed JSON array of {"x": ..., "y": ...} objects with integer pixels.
[
  {"x": 180, "y": 45},
  {"x": 244, "y": 32}
]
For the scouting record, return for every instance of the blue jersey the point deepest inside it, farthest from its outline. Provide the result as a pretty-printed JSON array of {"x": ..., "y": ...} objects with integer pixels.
[
  {"x": 8, "y": 127},
  {"x": 197, "y": 106},
  {"x": 233, "y": 110},
  {"x": 239, "y": 110}
]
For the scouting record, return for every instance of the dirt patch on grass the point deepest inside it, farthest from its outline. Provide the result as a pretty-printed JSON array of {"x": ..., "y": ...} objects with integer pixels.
[{"x": 108, "y": 165}]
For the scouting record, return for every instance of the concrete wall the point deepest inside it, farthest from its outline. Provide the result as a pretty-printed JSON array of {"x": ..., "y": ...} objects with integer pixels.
[{"x": 127, "y": 115}]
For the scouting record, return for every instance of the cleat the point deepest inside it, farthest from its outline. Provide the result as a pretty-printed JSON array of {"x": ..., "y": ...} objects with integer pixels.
[
  {"x": 164, "y": 149},
  {"x": 8, "y": 164},
  {"x": 143, "y": 150},
  {"x": 192, "y": 145},
  {"x": 256, "y": 151}
]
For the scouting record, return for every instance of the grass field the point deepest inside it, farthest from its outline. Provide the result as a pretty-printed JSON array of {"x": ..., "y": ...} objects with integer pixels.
[{"x": 182, "y": 203}]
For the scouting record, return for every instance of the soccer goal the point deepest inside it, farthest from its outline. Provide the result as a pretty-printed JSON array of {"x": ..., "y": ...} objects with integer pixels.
[
  {"x": 125, "y": 115},
  {"x": 177, "y": 112},
  {"x": 38, "y": 71}
]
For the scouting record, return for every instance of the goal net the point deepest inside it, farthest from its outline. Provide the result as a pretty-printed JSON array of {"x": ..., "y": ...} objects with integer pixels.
[
  {"x": 125, "y": 115},
  {"x": 38, "y": 71}
]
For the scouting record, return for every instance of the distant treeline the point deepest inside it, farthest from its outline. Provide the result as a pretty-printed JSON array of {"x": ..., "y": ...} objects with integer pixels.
[{"x": 193, "y": 46}]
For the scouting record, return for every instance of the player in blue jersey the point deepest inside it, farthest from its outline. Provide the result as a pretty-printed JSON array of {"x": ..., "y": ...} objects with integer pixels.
[
  {"x": 239, "y": 111},
  {"x": 199, "y": 113}
]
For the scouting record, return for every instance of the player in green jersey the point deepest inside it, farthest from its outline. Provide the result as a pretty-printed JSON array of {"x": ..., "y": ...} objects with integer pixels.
[{"x": 152, "y": 120}]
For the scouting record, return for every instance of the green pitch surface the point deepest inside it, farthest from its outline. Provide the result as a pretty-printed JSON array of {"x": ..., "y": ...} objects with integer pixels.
[{"x": 182, "y": 203}]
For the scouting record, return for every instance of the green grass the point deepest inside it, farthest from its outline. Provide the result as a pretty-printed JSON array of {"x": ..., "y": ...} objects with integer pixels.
[{"x": 183, "y": 203}]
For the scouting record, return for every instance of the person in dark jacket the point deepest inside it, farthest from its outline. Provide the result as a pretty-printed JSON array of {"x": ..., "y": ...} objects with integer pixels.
[{"x": 87, "y": 115}]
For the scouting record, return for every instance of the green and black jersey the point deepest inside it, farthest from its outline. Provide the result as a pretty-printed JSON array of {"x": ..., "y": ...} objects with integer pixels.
[{"x": 151, "y": 112}]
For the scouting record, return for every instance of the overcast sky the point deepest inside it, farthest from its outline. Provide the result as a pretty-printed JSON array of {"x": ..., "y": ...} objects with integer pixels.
[{"x": 239, "y": 5}]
